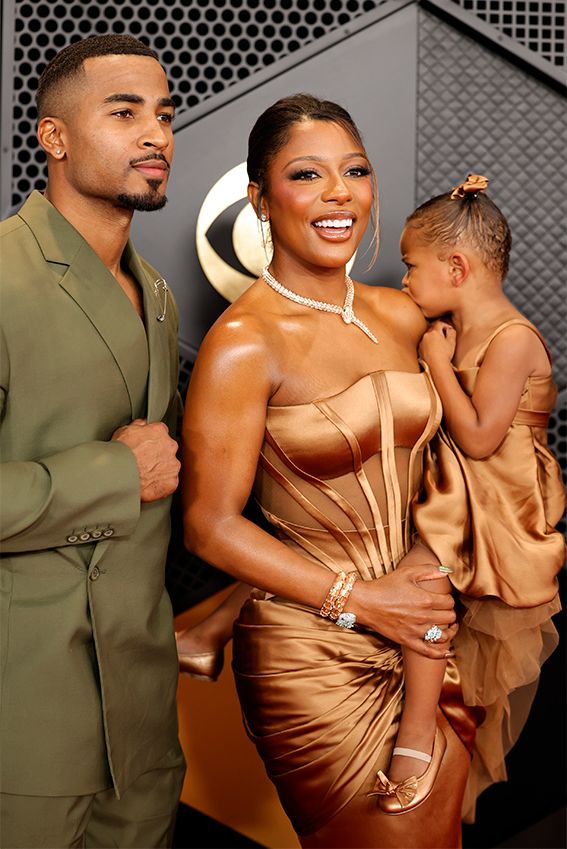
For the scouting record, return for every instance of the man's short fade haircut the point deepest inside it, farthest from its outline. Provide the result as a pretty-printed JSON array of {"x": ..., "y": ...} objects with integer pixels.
[{"x": 68, "y": 63}]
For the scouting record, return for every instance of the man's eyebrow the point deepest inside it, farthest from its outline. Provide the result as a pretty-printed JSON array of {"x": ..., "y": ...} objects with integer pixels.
[
  {"x": 122, "y": 97},
  {"x": 126, "y": 97}
]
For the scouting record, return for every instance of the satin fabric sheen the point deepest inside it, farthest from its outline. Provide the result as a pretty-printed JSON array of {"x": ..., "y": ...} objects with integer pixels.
[
  {"x": 493, "y": 520},
  {"x": 336, "y": 479}
]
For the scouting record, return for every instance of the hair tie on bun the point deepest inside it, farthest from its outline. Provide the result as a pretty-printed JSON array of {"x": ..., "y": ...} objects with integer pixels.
[{"x": 474, "y": 184}]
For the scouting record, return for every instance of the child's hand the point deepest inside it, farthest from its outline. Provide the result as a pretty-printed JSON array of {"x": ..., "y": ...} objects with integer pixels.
[{"x": 438, "y": 342}]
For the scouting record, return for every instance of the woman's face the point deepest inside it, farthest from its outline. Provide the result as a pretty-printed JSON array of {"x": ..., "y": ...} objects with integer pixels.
[{"x": 319, "y": 195}]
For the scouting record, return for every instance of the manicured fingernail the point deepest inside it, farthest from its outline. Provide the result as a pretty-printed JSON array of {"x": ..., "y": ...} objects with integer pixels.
[{"x": 446, "y": 569}]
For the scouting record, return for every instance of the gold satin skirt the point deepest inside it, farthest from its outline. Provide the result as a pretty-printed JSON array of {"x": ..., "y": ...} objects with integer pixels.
[{"x": 322, "y": 705}]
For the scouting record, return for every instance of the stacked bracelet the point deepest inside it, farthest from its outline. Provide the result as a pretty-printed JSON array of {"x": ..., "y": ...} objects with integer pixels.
[
  {"x": 336, "y": 599},
  {"x": 343, "y": 595},
  {"x": 331, "y": 596}
]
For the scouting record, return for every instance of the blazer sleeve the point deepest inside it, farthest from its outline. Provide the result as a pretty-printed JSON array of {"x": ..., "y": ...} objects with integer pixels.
[{"x": 90, "y": 489}]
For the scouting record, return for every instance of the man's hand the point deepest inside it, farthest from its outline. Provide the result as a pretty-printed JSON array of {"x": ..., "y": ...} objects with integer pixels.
[
  {"x": 401, "y": 609},
  {"x": 155, "y": 452}
]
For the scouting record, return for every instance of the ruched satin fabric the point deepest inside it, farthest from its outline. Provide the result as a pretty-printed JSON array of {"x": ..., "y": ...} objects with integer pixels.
[
  {"x": 493, "y": 520},
  {"x": 336, "y": 479}
]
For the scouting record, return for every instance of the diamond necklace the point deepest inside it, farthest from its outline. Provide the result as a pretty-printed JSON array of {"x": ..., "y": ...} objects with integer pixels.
[{"x": 346, "y": 311}]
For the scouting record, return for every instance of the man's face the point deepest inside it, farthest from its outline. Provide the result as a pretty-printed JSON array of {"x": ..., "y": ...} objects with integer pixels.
[{"x": 118, "y": 132}]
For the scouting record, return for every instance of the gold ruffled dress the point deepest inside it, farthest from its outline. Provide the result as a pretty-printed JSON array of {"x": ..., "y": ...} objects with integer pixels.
[
  {"x": 493, "y": 520},
  {"x": 336, "y": 479}
]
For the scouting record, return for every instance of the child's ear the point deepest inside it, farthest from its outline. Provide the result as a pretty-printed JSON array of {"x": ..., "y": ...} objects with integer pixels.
[{"x": 459, "y": 268}]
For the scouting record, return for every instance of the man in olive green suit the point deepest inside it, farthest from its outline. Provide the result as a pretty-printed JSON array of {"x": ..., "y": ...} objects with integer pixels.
[{"x": 88, "y": 369}]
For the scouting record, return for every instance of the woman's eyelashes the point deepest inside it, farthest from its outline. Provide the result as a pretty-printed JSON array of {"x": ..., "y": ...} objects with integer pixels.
[
  {"x": 308, "y": 174},
  {"x": 358, "y": 171},
  {"x": 304, "y": 174}
]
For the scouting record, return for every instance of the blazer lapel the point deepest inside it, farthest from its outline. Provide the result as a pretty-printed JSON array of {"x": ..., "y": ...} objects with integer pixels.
[
  {"x": 155, "y": 303},
  {"x": 159, "y": 388},
  {"x": 91, "y": 286},
  {"x": 100, "y": 297}
]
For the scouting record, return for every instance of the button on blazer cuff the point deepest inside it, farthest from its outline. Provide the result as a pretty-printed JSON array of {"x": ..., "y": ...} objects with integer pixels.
[{"x": 95, "y": 484}]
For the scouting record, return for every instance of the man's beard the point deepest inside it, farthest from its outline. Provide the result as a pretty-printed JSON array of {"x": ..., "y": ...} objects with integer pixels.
[{"x": 146, "y": 202}]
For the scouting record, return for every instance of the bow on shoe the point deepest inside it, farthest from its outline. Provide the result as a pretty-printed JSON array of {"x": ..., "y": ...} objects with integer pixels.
[{"x": 404, "y": 791}]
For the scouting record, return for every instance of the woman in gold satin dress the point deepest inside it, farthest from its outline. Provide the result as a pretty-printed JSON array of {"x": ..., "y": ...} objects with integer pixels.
[{"x": 318, "y": 404}]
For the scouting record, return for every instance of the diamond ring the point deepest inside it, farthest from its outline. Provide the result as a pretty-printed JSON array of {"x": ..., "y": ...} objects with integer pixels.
[{"x": 433, "y": 634}]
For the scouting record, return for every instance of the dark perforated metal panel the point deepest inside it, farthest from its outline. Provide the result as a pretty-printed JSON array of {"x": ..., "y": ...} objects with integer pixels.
[
  {"x": 478, "y": 112},
  {"x": 206, "y": 46},
  {"x": 537, "y": 24}
]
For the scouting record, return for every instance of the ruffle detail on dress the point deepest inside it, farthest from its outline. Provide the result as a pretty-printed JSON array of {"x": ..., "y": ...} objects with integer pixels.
[{"x": 500, "y": 651}]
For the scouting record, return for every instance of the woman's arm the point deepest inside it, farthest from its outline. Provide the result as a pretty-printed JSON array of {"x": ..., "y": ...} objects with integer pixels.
[
  {"x": 223, "y": 431},
  {"x": 479, "y": 423}
]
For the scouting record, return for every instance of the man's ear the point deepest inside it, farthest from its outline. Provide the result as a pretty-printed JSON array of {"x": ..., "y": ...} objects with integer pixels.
[
  {"x": 459, "y": 268},
  {"x": 51, "y": 136}
]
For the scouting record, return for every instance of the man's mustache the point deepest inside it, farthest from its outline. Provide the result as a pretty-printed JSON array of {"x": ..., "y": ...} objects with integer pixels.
[{"x": 151, "y": 157}]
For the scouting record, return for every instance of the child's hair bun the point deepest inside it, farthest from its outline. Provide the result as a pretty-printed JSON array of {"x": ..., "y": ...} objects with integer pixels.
[{"x": 474, "y": 184}]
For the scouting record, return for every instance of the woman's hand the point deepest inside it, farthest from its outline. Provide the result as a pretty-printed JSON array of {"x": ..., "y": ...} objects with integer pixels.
[
  {"x": 438, "y": 342},
  {"x": 399, "y": 608}
]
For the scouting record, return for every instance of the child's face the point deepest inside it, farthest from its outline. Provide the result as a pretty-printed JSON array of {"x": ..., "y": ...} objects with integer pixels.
[{"x": 427, "y": 280}]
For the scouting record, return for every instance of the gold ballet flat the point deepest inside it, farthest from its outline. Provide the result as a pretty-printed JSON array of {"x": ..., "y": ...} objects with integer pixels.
[
  {"x": 402, "y": 796},
  {"x": 206, "y": 666}
]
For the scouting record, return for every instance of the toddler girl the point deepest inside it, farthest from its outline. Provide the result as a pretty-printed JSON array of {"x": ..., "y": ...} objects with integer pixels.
[{"x": 493, "y": 490}]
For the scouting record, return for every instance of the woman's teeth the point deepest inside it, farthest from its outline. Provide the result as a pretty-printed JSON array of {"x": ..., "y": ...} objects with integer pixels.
[{"x": 338, "y": 223}]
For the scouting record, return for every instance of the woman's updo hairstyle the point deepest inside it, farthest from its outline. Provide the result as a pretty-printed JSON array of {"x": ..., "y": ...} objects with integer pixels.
[
  {"x": 273, "y": 128},
  {"x": 466, "y": 214}
]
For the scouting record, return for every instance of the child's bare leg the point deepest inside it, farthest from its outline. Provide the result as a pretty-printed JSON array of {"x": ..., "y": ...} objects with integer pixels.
[
  {"x": 423, "y": 681},
  {"x": 214, "y": 632}
]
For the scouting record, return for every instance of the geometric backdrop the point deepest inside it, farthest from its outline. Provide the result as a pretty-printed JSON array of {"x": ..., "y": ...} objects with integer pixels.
[{"x": 478, "y": 109}]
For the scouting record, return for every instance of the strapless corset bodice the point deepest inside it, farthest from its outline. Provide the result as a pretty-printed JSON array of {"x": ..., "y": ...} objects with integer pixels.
[{"x": 337, "y": 475}]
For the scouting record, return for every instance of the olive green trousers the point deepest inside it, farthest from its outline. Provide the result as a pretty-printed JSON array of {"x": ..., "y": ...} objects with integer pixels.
[{"x": 143, "y": 818}]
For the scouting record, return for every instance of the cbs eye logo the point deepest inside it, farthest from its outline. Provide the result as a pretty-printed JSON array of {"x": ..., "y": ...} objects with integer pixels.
[{"x": 229, "y": 236}]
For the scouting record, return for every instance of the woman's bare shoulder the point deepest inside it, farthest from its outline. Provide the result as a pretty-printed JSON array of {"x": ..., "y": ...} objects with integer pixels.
[
  {"x": 240, "y": 339},
  {"x": 396, "y": 307}
]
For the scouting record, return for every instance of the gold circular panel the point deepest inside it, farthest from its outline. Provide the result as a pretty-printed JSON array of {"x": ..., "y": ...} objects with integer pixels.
[{"x": 228, "y": 281}]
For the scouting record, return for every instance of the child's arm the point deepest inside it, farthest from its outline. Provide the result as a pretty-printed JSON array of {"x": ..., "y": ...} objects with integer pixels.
[{"x": 479, "y": 424}]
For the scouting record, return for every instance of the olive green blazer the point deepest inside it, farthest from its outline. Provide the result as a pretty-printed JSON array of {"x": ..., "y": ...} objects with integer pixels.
[{"x": 89, "y": 666}]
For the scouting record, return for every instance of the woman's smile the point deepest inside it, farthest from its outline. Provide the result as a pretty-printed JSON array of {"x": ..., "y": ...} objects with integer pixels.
[{"x": 335, "y": 226}]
